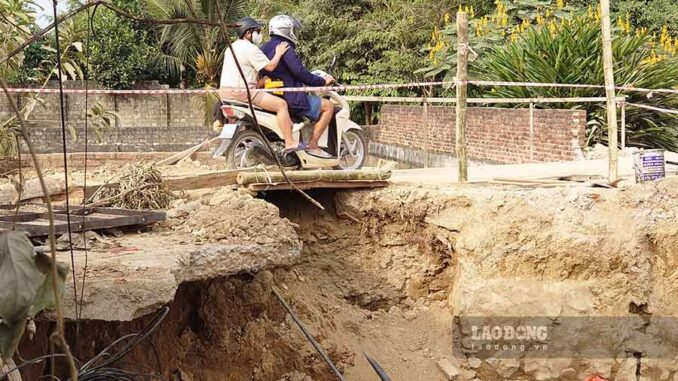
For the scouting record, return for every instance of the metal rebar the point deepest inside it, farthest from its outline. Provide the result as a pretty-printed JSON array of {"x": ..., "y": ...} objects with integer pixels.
[{"x": 310, "y": 338}]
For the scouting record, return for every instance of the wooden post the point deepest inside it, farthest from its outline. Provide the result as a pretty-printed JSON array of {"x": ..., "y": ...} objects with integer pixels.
[
  {"x": 608, "y": 66},
  {"x": 426, "y": 133},
  {"x": 462, "y": 76},
  {"x": 623, "y": 125},
  {"x": 531, "y": 132}
]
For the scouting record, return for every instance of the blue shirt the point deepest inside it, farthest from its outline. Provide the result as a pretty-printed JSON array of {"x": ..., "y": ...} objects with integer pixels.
[{"x": 293, "y": 73}]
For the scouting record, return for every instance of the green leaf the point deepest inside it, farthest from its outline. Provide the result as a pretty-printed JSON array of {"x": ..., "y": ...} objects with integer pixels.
[{"x": 23, "y": 277}]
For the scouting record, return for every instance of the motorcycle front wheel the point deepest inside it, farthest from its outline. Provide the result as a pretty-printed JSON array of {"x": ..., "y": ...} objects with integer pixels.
[{"x": 354, "y": 155}]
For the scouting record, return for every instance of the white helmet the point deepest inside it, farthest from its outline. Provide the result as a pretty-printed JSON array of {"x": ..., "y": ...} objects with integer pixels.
[{"x": 286, "y": 27}]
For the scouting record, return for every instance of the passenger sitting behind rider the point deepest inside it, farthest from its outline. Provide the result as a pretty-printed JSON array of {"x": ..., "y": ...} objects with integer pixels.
[
  {"x": 252, "y": 60},
  {"x": 293, "y": 73}
]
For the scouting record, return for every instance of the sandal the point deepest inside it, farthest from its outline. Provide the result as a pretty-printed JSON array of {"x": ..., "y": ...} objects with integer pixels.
[
  {"x": 300, "y": 147},
  {"x": 319, "y": 153}
]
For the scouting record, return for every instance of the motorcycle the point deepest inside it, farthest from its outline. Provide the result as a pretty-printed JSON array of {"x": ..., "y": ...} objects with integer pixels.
[{"x": 244, "y": 146}]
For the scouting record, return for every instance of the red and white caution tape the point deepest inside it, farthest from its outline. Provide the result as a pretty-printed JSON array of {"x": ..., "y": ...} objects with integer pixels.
[
  {"x": 206, "y": 91},
  {"x": 650, "y": 92}
]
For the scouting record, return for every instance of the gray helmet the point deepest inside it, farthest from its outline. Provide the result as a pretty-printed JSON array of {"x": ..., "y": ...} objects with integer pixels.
[
  {"x": 286, "y": 27},
  {"x": 247, "y": 23}
]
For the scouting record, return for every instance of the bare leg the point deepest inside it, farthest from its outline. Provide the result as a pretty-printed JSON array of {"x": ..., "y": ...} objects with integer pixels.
[
  {"x": 326, "y": 112},
  {"x": 279, "y": 106}
]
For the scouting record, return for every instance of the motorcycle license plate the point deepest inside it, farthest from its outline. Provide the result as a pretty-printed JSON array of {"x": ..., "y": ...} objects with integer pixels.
[{"x": 228, "y": 131}]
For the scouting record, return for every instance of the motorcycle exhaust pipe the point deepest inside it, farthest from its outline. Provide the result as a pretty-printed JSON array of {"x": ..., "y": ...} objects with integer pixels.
[{"x": 261, "y": 154}]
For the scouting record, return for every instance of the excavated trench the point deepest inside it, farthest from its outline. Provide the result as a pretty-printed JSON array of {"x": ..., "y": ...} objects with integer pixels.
[{"x": 383, "y": 273}]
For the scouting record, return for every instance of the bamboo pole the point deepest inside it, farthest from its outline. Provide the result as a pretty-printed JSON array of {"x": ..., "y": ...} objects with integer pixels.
[
  {"x": 608, "y": 66},
  {"x": 275, "y": 177},
  {"x": 461, "y": 81},
  {"x": 623, "y": 125},
  {"x": 531, "y": 131}
]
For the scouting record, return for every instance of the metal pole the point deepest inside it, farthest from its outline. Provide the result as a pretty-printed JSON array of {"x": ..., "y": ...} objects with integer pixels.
[
  {"x": 531, "y": 131},
  {"x": 310, "y": 338},
  {"x": 461, "y": 81},
  {"x": 608, "y": 66}
]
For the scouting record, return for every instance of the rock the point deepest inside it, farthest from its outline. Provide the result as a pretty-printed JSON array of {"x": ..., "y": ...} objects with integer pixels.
[
  {"x": 385, "y": 261},
  {"x": 8, "y": 194},
  {"x": 449, "y": 369},
  {"x": 467, "y": 374},
  {"x": 410, "y": 315},
  {"x": 602, "y": 368},
  {"x": 55, "y": 184},
  {"x": 474, "y": 363},
  {"x": 546, "y": 369},
  {"x": 569, "y": 374},
  {"x": 507, "y": 367},
  {"x": 395, "y": 310},
  {"x": 627, "y": 370}
]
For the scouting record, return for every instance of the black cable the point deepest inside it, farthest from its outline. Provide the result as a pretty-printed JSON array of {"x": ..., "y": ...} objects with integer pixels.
[
  {"x": 104, "y": 371},
  {"x": 34, "y": 361},
  {"x": 63, "y": 143},
  {"x": 84, "y": 269}
]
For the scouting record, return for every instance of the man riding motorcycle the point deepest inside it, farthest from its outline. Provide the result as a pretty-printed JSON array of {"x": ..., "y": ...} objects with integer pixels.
[{"x": 292, "y": 72}]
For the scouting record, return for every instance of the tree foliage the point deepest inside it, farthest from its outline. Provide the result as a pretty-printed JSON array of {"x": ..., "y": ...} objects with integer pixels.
[
  {"x": 572, "y": 53},
  {"x": 16, "y": 19},
  {"x": 194, "y": 51},
  {"x": 123, "y": 52}
]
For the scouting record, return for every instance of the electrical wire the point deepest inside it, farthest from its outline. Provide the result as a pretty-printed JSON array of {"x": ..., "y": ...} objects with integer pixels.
[
  {"x": 84, "y": 187},
  {"x": 60, "y": 73},
  {"x": 106, "y": 359}
]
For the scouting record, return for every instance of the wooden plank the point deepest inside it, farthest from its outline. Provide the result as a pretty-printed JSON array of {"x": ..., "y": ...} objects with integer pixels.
[
  {"x": 37, "y": 224},
  {"x": 321, "y": 184},
  {"x": 21, "y": 217},
  {"x": 184, "y": 154}
]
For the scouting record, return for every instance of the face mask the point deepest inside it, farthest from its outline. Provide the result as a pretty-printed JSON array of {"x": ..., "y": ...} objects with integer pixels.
[{"x": 257, "y": 38}]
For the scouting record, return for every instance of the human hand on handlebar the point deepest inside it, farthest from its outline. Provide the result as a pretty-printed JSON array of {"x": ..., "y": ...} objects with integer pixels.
[{"x": 329, "y": 80}]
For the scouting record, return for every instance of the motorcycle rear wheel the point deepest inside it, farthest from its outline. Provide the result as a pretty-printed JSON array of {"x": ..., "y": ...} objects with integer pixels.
[{"x": 239, "y": 155}]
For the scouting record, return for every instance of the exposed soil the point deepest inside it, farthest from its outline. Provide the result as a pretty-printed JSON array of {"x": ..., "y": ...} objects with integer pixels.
[{"x": 383, "y": 272}]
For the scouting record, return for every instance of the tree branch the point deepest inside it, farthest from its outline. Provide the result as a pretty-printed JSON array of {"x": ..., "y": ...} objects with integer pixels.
[{"x": 118, "y": 11}]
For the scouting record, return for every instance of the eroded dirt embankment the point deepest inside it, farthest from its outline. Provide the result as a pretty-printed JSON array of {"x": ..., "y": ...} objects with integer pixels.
[{"x": 383, "y": 272}]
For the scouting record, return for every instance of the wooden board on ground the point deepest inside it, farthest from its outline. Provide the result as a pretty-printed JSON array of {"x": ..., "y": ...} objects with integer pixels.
[
  {"x": 184, "y": 154},
  {"x": 317, "y": 184},
  {"x": 82, "y": 219}
]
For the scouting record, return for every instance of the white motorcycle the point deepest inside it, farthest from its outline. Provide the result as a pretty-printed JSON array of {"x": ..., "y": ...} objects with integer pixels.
[{"x": 244, "y": 146}]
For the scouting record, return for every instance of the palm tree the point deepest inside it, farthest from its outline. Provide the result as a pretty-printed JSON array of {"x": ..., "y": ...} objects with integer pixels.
[
  {"x": 197, "y": 48},
  {"x": 16, "y": 18}
]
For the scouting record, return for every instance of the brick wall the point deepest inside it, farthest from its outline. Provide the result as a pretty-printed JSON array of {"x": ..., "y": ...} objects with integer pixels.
[
  {"x": 148, "y": 123},
  {"x": 494, "y": 135}
]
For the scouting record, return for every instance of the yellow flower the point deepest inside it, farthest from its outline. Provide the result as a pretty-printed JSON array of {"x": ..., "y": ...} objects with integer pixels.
[
  {"x": 447, "y": 18},
  {"x": 560, "y": 3}
]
